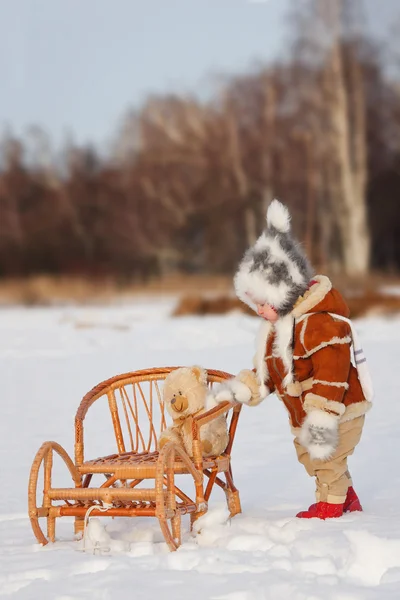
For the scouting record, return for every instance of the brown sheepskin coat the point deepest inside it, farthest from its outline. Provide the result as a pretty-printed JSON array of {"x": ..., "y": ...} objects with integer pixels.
[{"x": 323, "y": 375}]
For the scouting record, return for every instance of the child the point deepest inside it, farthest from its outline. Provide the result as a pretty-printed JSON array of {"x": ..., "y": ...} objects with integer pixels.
[{"x": 303, "y": 355}]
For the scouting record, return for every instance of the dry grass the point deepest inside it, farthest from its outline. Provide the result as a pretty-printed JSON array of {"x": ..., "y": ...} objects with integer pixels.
[
  {"x": 373, "y": 303},
  {"x": 368, "y": 304},
  {"x": 200, "y": 305},
  {"x": 199, "y": 295},
  {"x": 362, "y": 295},
  {"x": 46, "y": 290}
]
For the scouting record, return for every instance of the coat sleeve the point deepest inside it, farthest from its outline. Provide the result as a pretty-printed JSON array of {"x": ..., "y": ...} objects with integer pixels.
[{"x": 327, "y": 342}]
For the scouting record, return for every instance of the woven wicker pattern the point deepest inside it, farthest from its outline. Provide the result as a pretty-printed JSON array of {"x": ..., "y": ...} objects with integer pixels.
[
  {"x": 143, "y": 465},
  {"x": 138, "y": 479}
]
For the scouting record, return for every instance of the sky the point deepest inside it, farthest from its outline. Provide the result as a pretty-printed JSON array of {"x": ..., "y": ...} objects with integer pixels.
[{"x": 74, "y": 67}]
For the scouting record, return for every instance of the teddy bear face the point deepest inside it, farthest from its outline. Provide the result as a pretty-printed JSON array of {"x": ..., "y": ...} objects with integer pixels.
[
  {"x": 179, "y": 402},
  {"x": 184, "y": 391}
]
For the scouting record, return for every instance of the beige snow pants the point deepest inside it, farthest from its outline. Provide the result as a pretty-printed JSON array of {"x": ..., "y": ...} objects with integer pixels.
[{"x": 332, "y": 477}]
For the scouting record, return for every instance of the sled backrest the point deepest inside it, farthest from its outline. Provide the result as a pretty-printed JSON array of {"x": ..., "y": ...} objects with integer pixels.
[{"x": 137, "y": 410}]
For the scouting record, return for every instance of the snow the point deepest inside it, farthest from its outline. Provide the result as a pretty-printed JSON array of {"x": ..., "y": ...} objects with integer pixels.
[{"x": 51, "y": 357}]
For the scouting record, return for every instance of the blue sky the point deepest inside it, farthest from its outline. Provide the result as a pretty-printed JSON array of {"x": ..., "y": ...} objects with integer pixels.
[{"x": 75, "y": 66}]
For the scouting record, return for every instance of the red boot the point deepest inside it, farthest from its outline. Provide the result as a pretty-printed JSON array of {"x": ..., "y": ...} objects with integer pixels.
[
  {"x": 352, "y": 503},
  {"x": 322, "y": 510}
]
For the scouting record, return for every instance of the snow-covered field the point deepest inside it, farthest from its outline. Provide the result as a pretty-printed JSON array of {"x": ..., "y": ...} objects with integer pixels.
[{"x": 51, "y": 357}]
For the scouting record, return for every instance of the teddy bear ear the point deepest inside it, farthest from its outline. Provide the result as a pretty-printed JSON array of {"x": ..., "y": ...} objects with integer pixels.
[{"x": 200, "y": 374}]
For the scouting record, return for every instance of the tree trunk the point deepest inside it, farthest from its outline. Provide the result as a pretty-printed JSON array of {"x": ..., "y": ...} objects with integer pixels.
[{"x": 349, "y": 157}]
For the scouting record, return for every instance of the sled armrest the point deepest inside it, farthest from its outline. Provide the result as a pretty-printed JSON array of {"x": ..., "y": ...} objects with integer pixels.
[
  {"x": 213, "y": 413},
  {"x": 208, "y": 416}
]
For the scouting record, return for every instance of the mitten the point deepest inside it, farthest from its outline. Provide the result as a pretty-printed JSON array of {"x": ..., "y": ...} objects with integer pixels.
[
  {"x": 319, "y": 434},
  {"x": 243, "y": 388}
]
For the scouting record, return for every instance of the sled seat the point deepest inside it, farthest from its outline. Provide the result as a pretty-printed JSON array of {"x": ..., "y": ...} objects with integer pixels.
[{"x": 130, "y": 464}]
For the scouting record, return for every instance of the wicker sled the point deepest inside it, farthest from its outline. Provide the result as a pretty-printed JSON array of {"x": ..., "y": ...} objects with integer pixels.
[{"x": 139, "y": 480}]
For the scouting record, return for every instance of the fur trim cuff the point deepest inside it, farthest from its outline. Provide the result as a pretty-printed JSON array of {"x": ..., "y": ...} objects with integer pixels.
[
  {"x": 353, "y": 411},
  {"x": 294, "y": 389},
  {"x": 313, "y": 402},
  {"x": 320, "y": 418}
]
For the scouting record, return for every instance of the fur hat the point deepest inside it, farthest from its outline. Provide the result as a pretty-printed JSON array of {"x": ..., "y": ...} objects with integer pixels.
[{"x": 275, "y": 270}]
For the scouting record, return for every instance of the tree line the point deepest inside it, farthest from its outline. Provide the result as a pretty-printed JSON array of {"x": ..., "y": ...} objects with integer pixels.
[{"x": 187, "y": 183}]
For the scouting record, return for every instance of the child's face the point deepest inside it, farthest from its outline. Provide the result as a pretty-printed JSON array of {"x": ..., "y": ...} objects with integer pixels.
[{"x": 267, "y": 312}]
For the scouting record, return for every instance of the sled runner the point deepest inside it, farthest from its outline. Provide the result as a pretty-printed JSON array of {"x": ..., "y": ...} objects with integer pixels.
[{"x": 137, "y": 480}]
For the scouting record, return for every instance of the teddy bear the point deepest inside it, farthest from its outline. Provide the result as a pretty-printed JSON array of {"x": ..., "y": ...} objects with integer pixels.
[{"x": 185, "y": 394}]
